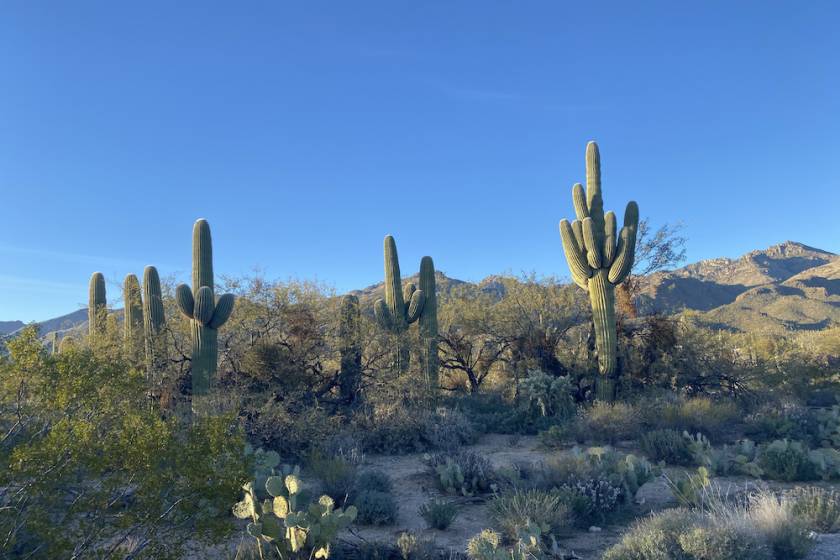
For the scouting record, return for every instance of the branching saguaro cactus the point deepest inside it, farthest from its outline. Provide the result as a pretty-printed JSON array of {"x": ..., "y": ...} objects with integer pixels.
[
  {"x": 97, "y": 305},
  {"x": 401, "y": 306},
  {"x": 206, "y": 314},
  {"x": 153, "y": 316},
  {"x": 599, "y": 260},
  {"x": 428, "y": 322},
  {"x": 133, "y": 319},
  {"x": 350, "y": 375}
]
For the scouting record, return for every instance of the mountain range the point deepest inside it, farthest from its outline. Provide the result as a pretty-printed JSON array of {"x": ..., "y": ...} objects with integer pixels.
[{"x": 789, "y": 286}]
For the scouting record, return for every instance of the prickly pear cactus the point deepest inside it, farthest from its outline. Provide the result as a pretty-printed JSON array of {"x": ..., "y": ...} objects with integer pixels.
[
  {"x": 292, "y": 532},
  {"x": 205, "y": 313},
  {"x": 97, "y": 305},
  {"x": 133, "y": 319},
  {"x": 599, "y": 260}
]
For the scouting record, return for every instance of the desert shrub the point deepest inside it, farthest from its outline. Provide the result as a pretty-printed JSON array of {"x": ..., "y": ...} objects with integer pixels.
[
  {"x": 408, "y": 429},
  {"x": 816, "y": 427},
  {"x": 412, "y": 547},
  {"x": 375, "y": 508},
  {"x": 438, "y": 514},
  {"x": 373, "y": 480},
  {"x": 487, "y": 545},
  {"x": 608, "y": 422},
  {"x": 820, "y": 508},
  {"x": 667, "y": 445},
  {"x": 555, "y": 437},
  {"x": 591, "y": 500},
  {"x": 462, "y": 472},
  {"x": 738, "y": 458},
  {"x": 712, "y": 418},
  {"x": 773, "y": 517},
  {"x": 291, "y": 427},
  {"x": 655, "y": 538},
  {"x": 512, "y": 510},
  {"x": 723, "y": 540},
  {"x": 337, "y": 476},
  {"x": 787, "y": 460}
]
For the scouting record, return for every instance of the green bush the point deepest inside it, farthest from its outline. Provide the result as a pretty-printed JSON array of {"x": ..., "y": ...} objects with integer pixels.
[
  {"x": 512, "y": 510},
  {"x": 773, "y": 517},
  {"x": 591, "y": 500},
  {"x": 787, "y": 460},
  {"x": 667, "y": 445},
  {"x": 820, "y": 508},
  {"x": 438, "y": 514},
  {"x": 337, "y": 476},
  {"x": 723, "y": 541},
  {"x": 655, "y": 538},
  {"x": 544, "y": 395},
  {"x": 375, "y": 508},
  {"x": 397, "y": 429},
  {"x": 373, "y": 480},
  {"x": 608, "y": 422},
  {"x": 713, "y": 418},
  {"x": 412, "y": 547}
]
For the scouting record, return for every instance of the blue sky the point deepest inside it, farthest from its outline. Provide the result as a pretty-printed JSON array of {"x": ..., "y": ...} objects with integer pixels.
[{"x": 304, "y": 132}]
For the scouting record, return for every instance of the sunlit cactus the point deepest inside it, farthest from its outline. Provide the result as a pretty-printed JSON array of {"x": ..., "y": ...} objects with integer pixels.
[
  {"x": 206, "y": 314},
  {"x": 97, "y": 305},
  {"x": 153, "y": 314},
  {"x": 133, "y": 319},
  {"x": 599, "y": 260},
  {"x": 428, "y": 322}
]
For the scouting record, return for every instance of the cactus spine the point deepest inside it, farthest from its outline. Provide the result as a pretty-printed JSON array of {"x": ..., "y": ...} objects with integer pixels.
[
  {"x": 153, "y": 315},
  {"x": 206, "y": 314},
  {"x": 401, "y": 307},
  {"x": 350, "y": 375},
  {"x": 97, "y": 305},
  {"x": 599, "y": 260},
  {"x": 428, "y": 322},
  {"x": 133, "y": 319}
]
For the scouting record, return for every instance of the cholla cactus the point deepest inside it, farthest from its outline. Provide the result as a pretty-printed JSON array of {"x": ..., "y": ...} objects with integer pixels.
[
  {"x": 599, "y": 260},
  {"x": 293, "y": 533},
  {"x": 97, "y": 305},
  {"x": 206, "y": 314}
]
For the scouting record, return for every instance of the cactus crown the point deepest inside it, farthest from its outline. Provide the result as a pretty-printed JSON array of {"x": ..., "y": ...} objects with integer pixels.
[{"x": 590, "y": 242}]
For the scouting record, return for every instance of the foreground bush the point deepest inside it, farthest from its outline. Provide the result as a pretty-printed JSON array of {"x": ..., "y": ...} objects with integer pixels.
[
  {"x": 669, "y": 446},
  {"x": 438, "y": 514},
  {"x": 513, "y": 510},
  {"x": 762, "y": 526},
  {"x": 608, "y": 422},
  {"x": 87, "y": 466},
  {"x": 818, "y": 507}
]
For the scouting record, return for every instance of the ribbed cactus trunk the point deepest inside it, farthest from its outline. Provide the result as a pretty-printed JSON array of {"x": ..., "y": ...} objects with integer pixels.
[
  {"x": 153, "y": 318},
  {"x": 350, "y": 374},
  {"x": 429, "y": 324},
  {"x": 206, "y": 316},
  {"x": 133, "y": 317},
  {"x": 97, "y": 305},
  {"x": 394, "y": 314},
  {"x": 599, "y": 260}
]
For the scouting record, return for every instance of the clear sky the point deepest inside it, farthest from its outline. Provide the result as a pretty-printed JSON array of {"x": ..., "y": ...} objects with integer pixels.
[{"x": 306, "y": 131}]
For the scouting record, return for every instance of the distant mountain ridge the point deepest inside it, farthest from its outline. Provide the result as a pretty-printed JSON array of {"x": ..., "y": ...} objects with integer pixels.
[{"x": 786, "y": 286}]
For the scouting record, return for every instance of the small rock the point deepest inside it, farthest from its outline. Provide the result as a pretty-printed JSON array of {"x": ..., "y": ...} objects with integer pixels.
[{"x": 594, "y": 529}]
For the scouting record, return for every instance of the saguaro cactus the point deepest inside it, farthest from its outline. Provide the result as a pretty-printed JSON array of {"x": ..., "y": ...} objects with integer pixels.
[
  {"x": 599, "y": 260},
  {"x": 97, "y": 305},
  {"x": 206, "y": 314},
  {"x": 428, "y": 322},
  {"x": 153, "y": 315},
  {"x": 350, "y": 375},
  {"x": 133, "y": 319},
  {"x": 401, "y": 307}
]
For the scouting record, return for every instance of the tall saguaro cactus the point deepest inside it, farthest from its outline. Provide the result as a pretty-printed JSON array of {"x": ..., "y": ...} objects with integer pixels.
[
  {"x": 133, "y": 319},
  {"x": 97, "y": 305},
  {"x": 401, "y": 306},
  {"x": 428, "y": 322},
  {"x": 350, "y": 375},
  {"x": 206, "y": 314},
  {"x": 599, "y": 260},
  {"x": 153, "y": 315}
]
